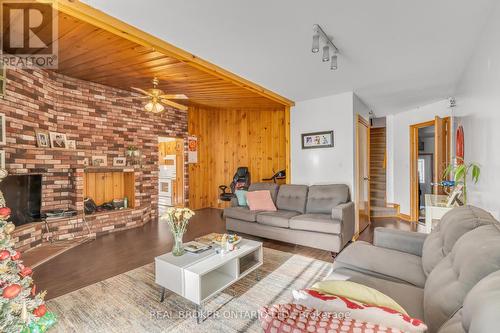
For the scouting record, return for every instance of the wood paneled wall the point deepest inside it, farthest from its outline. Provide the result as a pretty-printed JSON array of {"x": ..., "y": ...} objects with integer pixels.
[
  {"x": 233, "y": 137},
  {"x": 103, "y": 187}
]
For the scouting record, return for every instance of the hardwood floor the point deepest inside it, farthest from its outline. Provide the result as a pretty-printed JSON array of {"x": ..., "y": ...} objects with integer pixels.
[{"x": 116, "y": 253}]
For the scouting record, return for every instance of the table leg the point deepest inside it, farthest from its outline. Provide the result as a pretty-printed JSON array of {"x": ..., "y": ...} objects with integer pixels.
[
  {"x": 257, "y": 274},
  {"x": 162, "y": 297},
  {"x": 199, "y": 314}
]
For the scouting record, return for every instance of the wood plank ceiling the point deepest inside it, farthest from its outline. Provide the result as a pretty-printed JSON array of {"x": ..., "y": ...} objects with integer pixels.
[{"x": 91, "y": 53}]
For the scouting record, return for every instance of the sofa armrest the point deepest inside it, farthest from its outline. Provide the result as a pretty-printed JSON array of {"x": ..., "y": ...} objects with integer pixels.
[
  {"x": 345, "y": 213},
  {"x": 343, "y": 210},
  {"x": 399, "y": 240}
]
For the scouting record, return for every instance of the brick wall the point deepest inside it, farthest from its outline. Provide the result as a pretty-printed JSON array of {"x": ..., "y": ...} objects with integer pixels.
[{"x": 102, "y": 120}]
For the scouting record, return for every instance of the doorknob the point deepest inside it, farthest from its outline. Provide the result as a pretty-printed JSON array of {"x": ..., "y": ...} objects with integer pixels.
[{"x": 366, "y": 178}]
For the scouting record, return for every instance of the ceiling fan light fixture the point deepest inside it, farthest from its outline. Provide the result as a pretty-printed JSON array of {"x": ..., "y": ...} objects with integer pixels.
[{"x": 154, "y": 107}]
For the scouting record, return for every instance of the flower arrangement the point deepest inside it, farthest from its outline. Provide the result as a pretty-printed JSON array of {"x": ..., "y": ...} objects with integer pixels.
[{"x": 177, "y": 219}]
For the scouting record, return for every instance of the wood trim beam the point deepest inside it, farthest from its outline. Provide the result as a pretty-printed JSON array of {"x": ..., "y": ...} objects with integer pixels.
[
  {"x": 287, "y": 146},
  {"x": 104, "y": 21}
]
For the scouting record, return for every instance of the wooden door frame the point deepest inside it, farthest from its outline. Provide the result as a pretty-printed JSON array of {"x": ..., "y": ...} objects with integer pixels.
[
  {"x": 182, "y": 193},
  {"x": 414, "y": 210},
  {"x": 364, "y": 122}
]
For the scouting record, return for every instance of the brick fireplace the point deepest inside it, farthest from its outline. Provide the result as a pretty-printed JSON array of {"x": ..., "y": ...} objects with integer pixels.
[{"x": 103, "y": 123}]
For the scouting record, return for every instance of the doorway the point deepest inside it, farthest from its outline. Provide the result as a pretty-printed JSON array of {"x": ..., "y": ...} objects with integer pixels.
[
  {"x": 425, "y": 166},
  {"x": 171, "y": 173},
  {"x": 429, "y": 155},
  {"x": 362, "y": 180}
]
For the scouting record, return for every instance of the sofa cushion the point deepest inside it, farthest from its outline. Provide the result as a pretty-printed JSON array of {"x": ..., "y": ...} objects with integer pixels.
[
  {"x": 292, "y": 198},
  {"x": 271, "y": 187},
  {"x": 408, "y": 296},
  {"x": 316, "y": 222},
  {"x": 260, "y": 201},
  {"x": 382, "y": 262},
  {"x": 452, "y": 226},
  {"x": 276, "y": 219},
  {"x": 323, "y": 198},
  {"x": 480, "y": 310},
  {"x": 474, "y": 256},
  {"x": 241, "y": 213}
]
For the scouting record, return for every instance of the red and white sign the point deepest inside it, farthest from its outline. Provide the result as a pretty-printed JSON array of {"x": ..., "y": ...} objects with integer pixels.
[{"x": 192, "y": 149}]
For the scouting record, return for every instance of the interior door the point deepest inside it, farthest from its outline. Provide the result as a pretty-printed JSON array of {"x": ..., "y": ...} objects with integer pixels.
[
  {"x": 441, "y": 150},
  {"x": 362, "y": 174}
]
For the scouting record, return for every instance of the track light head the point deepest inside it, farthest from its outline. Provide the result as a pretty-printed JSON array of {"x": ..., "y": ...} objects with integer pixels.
[
  {"x": 315, "y": 45},
  {"x": 326, "y": 53},
  {"x": 333, "y": 64}
]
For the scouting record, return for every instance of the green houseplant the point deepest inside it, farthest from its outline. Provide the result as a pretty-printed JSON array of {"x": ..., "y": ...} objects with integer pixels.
[{"x": 461, "y": 171}]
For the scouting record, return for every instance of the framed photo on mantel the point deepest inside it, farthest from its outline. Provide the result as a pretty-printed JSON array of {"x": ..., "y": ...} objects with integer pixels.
[{"x": 317, "y": 140}]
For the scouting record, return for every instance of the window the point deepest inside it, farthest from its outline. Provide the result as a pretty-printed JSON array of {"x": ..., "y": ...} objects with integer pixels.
[{"x": 421, "y": 170}]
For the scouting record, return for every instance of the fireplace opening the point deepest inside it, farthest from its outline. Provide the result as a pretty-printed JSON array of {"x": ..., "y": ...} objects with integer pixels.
[{"x": 23, "y": 194}]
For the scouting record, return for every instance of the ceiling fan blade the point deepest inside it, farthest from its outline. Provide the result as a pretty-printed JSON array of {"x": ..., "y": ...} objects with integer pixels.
[
  {"x": 174, "y": 96},
  {"x": 175, "y": 105},
  {"x": 142, "y": 91}
]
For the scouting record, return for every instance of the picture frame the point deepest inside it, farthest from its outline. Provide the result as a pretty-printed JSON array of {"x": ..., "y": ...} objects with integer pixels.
[
  {"x": 71, "y": 144},
  {"x": 119, "y": 161},
  {"x": 2, "y": 159},
  {"x": 3, "y": 129},
  {"x": 42, "y": 139},
  {"x": 315, "y": 140},
  {"x": 99, "y": 161},
  {"x": 58, "y": 140}
]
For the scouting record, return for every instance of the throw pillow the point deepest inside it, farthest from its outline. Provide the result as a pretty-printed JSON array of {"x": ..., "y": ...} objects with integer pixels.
[
  {"x": 241, "y": 195},
  {"x": 260, "y": 200},
  {"x": 359, "y": 311},
  {"x": 357, "y": 292},
  {"x": 295, "y": 318}
]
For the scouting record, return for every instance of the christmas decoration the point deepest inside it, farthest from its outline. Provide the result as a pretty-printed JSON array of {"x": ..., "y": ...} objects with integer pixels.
[{"x": 21, "y": 308}]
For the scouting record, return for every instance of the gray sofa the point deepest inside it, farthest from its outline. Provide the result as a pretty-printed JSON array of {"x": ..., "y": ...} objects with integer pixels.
[
  {"x": 319, "y": 216},
  {"x": 449, "y": 278}
]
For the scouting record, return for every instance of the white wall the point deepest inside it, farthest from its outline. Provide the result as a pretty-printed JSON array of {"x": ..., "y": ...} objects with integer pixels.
[
  {"x": 398, "y": 149},
  {"x": 478, "y": 109},
  {"x": 325, "y": 165}
]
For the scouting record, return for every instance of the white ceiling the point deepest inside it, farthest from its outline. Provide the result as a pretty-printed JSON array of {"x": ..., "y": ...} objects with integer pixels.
[{"x": 395, "y": 54}]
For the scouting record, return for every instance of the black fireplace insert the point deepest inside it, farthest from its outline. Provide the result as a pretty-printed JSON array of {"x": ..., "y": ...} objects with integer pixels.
[{"x": 23, "y": 194}]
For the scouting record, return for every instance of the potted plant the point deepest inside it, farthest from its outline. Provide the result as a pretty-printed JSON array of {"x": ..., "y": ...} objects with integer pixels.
[
  {"x": 177, "y": 219},
  {"x": 461, "y": 171}
]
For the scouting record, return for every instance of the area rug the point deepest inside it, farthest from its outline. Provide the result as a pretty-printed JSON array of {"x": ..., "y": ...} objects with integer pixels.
[{"x": 129, "y": 302}]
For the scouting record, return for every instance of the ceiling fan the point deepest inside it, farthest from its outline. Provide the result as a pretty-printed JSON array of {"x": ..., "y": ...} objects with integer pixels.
[{"x": 158, "y": 99}]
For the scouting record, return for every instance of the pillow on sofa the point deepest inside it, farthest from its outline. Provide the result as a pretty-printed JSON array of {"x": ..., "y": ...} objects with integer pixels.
[
  {"x": 358, "y": 292},
  {"x": 358, "y": 310},
  {"x": 241, "y": 195},
  {"x": 260, "y": 200},
  {"x": 288, "y": 318}
]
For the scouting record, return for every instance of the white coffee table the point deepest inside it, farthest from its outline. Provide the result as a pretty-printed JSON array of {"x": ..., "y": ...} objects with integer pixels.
[{"x": 197, "y": 277}]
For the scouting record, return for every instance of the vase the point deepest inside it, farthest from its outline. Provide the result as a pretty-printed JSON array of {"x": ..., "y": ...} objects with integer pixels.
[{"x": 178, "y": 249}]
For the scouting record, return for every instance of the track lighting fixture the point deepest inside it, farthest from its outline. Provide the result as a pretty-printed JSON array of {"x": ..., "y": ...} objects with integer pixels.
[
  {"x": 315, "y": 46},
  {"x": 333, "y": 64},
  {"x": 319, "y": 33},
  {"x": 326, "y": 53}
]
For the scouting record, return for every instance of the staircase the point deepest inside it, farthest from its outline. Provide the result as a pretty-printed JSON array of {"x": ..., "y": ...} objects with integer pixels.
[{"x": 378, "y": 203}]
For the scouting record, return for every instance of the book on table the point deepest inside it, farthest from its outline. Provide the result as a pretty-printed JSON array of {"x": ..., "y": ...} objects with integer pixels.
[{"x": 196, "y": 247}]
